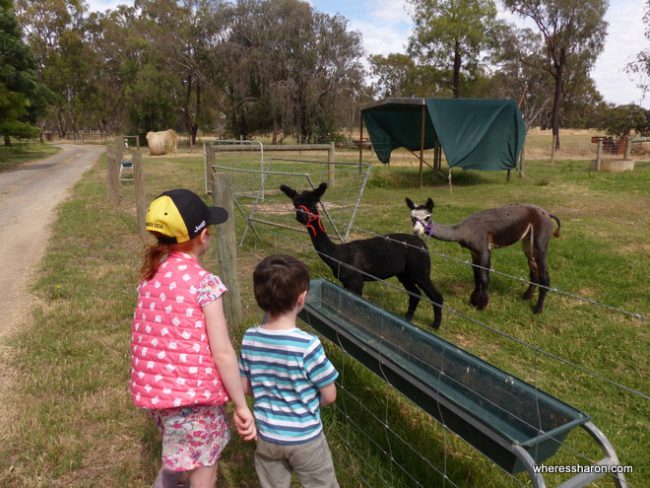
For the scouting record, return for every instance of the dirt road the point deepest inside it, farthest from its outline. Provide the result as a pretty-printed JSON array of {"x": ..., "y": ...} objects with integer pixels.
[{"x": 28, "y": 197}]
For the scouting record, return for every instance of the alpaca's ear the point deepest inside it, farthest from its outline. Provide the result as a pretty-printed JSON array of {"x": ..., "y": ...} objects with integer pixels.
[
  {"x": 290, "y": 192},
  {"x": 429, "y": 204},
  {"x": 318, "y": 192},
  {"x": 410, "y": 204}
]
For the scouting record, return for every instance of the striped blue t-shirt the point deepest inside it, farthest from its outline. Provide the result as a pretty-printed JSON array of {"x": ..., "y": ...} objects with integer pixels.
[{"x": 286, "y": 368}]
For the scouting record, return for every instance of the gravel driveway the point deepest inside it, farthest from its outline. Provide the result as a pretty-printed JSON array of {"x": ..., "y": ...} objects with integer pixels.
[{"x": 29, "y": 196}]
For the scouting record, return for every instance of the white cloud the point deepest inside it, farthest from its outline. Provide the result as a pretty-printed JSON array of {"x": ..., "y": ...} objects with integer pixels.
[
  {"x": 103, "y": 5},
  {"x": 625, "y": 38}
]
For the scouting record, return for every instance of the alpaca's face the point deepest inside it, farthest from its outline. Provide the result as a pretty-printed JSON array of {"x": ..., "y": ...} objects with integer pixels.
[
  {"x": 420, "y": 216},
  {"x": 305, "y": 203}
]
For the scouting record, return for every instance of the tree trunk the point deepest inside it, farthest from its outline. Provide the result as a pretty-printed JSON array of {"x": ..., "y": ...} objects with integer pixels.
[
  {"x": 456, "y": 75},
  {"x": 557, "y": 97},
  {"x": 7, "y": 140}
]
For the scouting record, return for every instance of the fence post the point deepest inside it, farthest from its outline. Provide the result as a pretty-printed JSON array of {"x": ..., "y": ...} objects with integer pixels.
[
  {"x": 113, "y": 161},
  {"x": 208, "y": 159},
  {"x": 522, "y": 161},
  {"x": 599, "y": 154},
  {"x": 628, "y": 147},
  {"x": 140, "y": 201},
  {"x": 227, "y": 249},
  {"x": 331, "y": 159}
]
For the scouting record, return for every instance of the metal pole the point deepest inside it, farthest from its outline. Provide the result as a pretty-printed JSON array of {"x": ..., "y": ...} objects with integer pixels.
[
  {"x": 599, "y": 154},
  {"x": 422, "y": 129},
  {"x": 360, "y": 139}
]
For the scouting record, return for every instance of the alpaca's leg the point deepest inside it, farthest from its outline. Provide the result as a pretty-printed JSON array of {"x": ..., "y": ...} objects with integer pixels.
[
  {"x": 532, "y": 266},
  {"x": 474, "y": 298},
  {"x": 436, "y": 299},
  {"x": 544, "y": 280},
  {"x": 354, "y": 285},
  {"x": 480, "y": 296},
  {"x": 413, "y": 292}
]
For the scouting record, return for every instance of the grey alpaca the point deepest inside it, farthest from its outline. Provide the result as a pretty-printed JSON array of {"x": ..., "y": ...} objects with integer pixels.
[
  {"x": 378, "y": 258},
  {"x": 493, "y": 228}
]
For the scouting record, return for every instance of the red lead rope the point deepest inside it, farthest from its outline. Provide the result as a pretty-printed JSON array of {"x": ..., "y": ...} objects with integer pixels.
[{"x": 311, "y": 219}]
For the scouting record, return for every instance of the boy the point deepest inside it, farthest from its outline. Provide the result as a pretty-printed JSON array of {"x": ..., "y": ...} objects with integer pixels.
[{"x": 288, "y": 374}]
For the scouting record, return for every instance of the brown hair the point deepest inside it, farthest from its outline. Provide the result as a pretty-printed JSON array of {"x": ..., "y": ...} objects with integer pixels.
[
  {"x": 156, "y": 253},
  {"x": 278, "y": 280}
]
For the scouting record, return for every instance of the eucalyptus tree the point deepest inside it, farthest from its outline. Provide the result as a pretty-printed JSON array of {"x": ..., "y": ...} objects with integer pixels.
[
  {"x": 572, "y": 35},
  {"x": 182, "y": 36},
  {"x": 288, "y": 68},
  {"x": 55, "y": 31},
  {"x": 451, "y": 35}
]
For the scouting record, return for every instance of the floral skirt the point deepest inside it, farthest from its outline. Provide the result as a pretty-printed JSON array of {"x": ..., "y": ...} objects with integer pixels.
[{"x": 192, "y": 436}]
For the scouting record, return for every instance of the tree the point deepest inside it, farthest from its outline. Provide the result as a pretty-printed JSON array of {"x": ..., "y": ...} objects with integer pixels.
[
  {"x": 288, "y": 69},
  {"x": 622, "y": 119},
  {"x": 19, "y": 90},
  {"x": 392, "y": 73},
  {"x": 183, "y": 34},
  {"x": 573, "y": 34},
  {"x": 451, "y": 34},
  {"x": 65, "y": 62}
]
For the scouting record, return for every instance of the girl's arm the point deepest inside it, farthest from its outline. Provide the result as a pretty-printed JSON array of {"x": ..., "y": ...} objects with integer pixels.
[
  {"x": 225, "y": 359},
  {"x": 246, "y": 385}
]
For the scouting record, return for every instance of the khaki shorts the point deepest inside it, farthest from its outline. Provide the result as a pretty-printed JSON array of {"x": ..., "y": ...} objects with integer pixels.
[{"x": 311, "y": 463}]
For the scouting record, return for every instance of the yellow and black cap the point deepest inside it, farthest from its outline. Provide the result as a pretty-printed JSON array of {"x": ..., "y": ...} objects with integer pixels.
[{"x": 180, "y": 215}]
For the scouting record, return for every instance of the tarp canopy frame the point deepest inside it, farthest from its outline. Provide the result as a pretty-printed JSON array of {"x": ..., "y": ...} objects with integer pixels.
[{"x": 485, "y": 134}]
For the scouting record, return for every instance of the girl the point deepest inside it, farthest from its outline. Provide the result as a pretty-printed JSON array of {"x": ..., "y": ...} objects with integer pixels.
[{"x": 183, "y": 365}]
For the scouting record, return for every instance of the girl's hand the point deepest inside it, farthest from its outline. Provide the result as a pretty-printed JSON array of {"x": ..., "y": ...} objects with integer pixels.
[{"x": 245, "y": 423}]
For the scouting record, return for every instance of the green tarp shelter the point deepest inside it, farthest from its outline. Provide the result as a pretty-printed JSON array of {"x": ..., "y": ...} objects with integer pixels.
[{"x": 477, "y": 133}]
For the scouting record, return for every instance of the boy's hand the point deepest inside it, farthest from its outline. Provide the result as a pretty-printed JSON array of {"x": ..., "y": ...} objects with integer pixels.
[{"x": 245, "y": 423}]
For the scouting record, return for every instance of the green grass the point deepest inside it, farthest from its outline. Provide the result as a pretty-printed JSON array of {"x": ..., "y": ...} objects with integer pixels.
[
  {"x": 71, "y": 365},
  {"x": 19, "y": 153}
]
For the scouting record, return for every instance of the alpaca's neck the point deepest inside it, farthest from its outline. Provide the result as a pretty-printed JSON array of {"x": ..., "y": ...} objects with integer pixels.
[
  {"x": 443, "y": 232},
  {"x": 321, "y": 241}
]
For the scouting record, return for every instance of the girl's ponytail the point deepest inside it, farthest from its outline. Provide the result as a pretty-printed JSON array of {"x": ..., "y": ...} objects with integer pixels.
[{"x": 156, "y": 254}]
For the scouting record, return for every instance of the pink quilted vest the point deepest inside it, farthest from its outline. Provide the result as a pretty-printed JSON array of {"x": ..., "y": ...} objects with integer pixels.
[{"x": 171, "y": 363}]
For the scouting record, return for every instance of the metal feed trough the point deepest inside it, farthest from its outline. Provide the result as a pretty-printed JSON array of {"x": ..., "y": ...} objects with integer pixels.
[{"x": 510, "y": 421}]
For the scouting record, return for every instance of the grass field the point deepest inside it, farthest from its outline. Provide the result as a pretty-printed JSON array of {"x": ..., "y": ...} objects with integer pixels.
[{"x": 72, "y": 363}]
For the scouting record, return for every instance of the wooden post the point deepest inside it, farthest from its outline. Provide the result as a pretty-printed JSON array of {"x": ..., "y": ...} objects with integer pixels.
[
  {"x": 227, "y": 249},
  {"x": 628, "y": 147},
  {"x": 140, "y": 200},
  {"x": 360, "y": 140},
  {"x": 113, "y": 160},
  {"x": 522, "y": 161},
  {"x": 208, "y": 155},
  {"x": 422, "y": 129},
  {"x": 599, "y": 154},
  {"x": 331, "y": 159}
]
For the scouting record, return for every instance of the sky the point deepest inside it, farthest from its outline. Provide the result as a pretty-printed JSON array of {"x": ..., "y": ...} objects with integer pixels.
[{"x": 385, "y": 26}]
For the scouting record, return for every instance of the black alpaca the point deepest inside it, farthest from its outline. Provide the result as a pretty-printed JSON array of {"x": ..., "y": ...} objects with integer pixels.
[
  {"x": 493, "y": 228},
  {"x": 378, "y": 258}
]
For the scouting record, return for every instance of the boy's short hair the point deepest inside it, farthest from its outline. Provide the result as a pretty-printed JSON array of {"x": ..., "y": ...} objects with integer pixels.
[{"x": 278, "y": 280}]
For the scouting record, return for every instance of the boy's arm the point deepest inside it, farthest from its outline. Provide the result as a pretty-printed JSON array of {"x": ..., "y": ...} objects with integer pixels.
[
  {"x": 328, "y": 394},
  {"x": 225, "y": 358}
]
